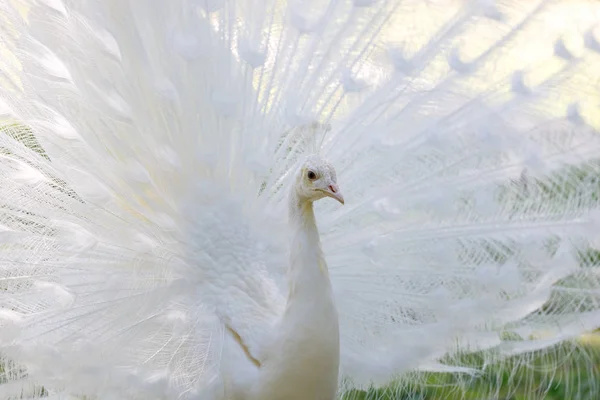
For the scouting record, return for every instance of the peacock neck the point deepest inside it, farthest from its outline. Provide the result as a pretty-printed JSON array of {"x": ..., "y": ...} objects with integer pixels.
[{"x": 307, "y": 266}]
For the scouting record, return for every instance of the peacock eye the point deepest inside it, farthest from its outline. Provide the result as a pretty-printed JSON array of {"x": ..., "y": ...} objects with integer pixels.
[{"x": 311, "y": 175}]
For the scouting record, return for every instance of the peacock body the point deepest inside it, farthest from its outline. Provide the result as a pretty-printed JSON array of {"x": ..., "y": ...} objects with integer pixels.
[{"x": 158, "y": 237}]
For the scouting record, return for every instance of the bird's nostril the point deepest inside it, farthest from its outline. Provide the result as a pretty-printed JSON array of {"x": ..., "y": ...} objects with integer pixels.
[{"x": 332, "y": 188}]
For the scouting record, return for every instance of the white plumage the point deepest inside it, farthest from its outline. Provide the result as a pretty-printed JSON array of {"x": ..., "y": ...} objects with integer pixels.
[{"x": 149, "y": 149}]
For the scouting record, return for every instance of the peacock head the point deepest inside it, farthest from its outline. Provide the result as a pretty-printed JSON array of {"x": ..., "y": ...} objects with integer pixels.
[{"x": 316, "y": 180}]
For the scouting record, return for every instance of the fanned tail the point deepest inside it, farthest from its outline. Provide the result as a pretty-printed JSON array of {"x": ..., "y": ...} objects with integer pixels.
[
  {"x": 129, "y": 202},
  {"x": 145, "y": 150},
  {"x": 474, "y": 198}
]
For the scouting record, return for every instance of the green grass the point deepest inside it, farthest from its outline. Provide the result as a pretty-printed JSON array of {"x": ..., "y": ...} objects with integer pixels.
[{"x": 571, "y": 371}]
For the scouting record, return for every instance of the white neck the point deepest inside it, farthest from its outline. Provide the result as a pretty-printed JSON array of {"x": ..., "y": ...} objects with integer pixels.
[
  {"x": 304, "y": 358},
  {"x": 307, "y": 266}
]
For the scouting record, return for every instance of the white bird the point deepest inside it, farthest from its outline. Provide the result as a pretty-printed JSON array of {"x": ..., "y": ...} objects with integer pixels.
[{"x": 160, "y": 163}]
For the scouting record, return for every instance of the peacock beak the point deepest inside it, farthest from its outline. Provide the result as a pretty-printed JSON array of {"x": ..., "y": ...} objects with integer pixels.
[{"x": 333, "y": 191}]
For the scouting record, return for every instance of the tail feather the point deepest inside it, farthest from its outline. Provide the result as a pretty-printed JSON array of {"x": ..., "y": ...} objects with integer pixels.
[{"x": 144, "y": 167}]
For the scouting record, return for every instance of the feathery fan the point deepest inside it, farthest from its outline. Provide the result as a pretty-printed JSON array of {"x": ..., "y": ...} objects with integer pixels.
[{"x": 147, "y": 152}]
